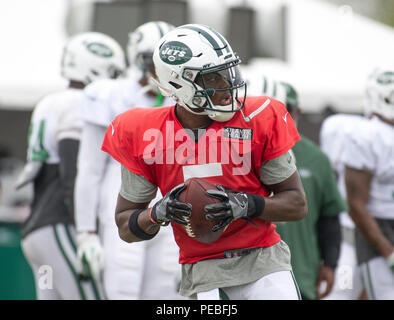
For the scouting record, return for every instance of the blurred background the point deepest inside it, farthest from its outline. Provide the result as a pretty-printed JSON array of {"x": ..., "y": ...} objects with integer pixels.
[{"x": 324, "y": 48}]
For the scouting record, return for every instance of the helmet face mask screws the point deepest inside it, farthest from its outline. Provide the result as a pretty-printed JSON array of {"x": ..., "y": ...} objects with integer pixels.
[
  {"x": 189, "y": 74},
  {"x": 197, "y": 100}
]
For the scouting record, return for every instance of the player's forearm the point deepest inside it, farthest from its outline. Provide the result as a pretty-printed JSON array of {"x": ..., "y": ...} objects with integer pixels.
[
  {"x": 369, "y": 228},
  {"x": 329, "y": 239},
  {"x": 358, "y": 184},
  {"x": 68, "y": 150},
  {"x": 288, "y": 205},
  {"x": 288, "y": 202},
  {"x": 123, "y": 222},
  {"x": 86, "y": 198}
]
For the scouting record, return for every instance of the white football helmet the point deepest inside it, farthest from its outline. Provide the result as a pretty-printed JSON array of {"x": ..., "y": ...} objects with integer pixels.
[
  {"x": 142, "y": 42},
  {"x": 380, "y": 93},
  {"x": 274, "y": 89},
  {"x": 90, "y": 56},
  {"x": 195, "y": 51},
  {"x": 281, "y": 91}
]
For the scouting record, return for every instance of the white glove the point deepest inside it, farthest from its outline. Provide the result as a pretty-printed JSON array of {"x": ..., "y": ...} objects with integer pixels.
[{"x": 91, "y": 254}]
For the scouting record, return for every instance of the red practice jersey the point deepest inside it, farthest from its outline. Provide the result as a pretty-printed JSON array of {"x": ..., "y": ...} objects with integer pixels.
[{"x": 153, "y": 143}]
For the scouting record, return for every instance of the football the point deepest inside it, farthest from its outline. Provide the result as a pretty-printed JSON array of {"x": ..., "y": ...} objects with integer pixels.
[{"x": 198, "y": 226}]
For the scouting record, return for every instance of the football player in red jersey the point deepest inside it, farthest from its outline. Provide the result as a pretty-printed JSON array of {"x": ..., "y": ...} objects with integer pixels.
[{"x": 216, "y": 133}]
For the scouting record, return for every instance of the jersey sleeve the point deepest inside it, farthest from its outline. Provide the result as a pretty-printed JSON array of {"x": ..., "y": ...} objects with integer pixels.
[
  {"x": 328, "y": 137},
  {"x": 96, "y": 103},
  {"x": 333, "y": 133},
  {"x": 136, "y": 188},
  {"x": 280, "y": 134},
  {"x": 121, "y": 142},
  {"x": 92, "y": 163},
  {"x": 358, "y": 150},
  {"x": 332, "y": 203},
  {"x": 37, "y": 149},
  {"x": 278, "y": 169},
  {"x": 70, "y": 124}
]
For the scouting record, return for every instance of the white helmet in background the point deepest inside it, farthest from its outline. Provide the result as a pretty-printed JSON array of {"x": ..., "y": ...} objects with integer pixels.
[
  {"x": 380, "y": 93},
  {"x": 274, "y": 89},
  {"x": 91, "y": 56},
  {"x": 281, "y": 91},
  {"x": 195, "y": 51},
  {"x": 142, "y": 43}
]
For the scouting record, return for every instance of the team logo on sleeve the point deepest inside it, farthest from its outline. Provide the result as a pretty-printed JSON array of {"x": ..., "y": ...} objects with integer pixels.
[{"x": 175, "y": 53}]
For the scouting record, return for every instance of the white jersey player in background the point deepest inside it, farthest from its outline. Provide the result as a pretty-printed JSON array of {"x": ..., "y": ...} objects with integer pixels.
[
  {"x": 348, "y": 284},
  {"x": 49, "y": 234},
  {"x": 127, "y": 270},
  {"x": 369, "y": 179}
]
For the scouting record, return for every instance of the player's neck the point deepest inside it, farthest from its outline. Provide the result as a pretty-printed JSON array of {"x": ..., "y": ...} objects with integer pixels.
[{"x": 191, "y": 121}]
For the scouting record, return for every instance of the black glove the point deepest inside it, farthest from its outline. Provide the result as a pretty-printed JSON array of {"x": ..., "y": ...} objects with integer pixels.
[
  {"x": 170, "y": 208},
  {"x": 234, "y": 205}
]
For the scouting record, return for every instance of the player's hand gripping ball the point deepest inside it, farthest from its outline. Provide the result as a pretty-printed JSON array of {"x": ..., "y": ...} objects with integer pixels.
[{"x": 198, "y": 227}]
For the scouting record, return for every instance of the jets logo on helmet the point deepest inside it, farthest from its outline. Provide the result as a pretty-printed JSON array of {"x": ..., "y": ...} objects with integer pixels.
[
  {"x": 195, "y": 52},
  {"x": 100, "y": 49},
  {"x": 175, "y": 53},
  {"x": 386, "y": 78}
]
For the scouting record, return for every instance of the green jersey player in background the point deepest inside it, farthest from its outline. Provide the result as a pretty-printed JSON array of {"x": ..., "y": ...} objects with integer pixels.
[{"x": 315, "y": 241}]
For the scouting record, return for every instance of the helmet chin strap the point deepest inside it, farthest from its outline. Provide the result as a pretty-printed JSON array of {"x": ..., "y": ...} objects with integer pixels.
[
  {"x": 214, "y": 115},
  {"x": 221, "y": 116}
]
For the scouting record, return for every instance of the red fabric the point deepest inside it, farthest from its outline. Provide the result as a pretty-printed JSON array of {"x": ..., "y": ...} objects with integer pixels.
[{"x": 152, "y": 143}]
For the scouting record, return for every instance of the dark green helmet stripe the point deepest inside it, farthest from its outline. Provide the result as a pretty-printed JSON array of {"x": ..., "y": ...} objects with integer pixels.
[
  {"x": 225, "y": 43},
  {"x": 274, "y": 93},
  {"x": 161, "y": 32},
  {"x": 207, "y": 36},
  {"x": 291, "y": 94},
  {"x": 265, "y": 86}
]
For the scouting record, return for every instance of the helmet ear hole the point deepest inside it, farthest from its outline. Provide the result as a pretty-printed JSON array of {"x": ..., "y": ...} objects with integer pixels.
[{"x": 175, "y": 85}]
